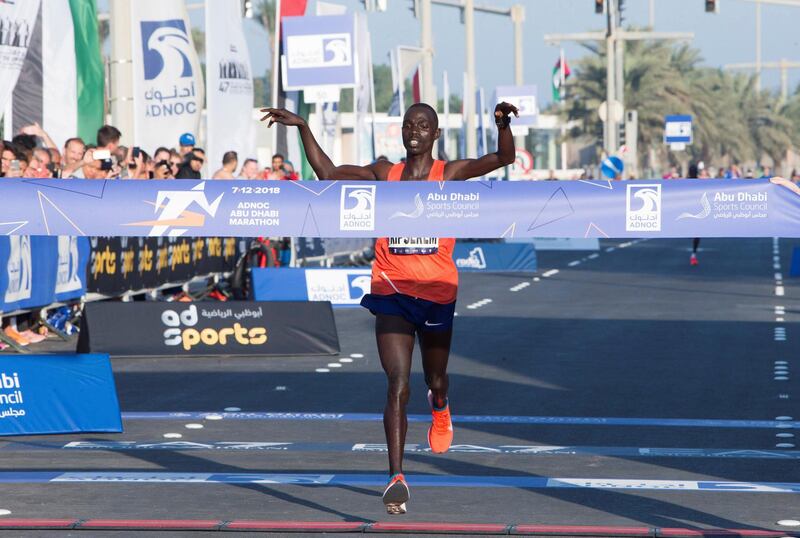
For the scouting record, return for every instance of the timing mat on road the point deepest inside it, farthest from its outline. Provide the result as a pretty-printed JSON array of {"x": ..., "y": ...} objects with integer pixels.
[{"x": 301, "y": 479}]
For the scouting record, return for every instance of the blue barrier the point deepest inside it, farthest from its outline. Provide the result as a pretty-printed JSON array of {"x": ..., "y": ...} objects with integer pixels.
[
  {"x": 48, "y": 394},
  {"x": 342, "y": 287},
  {"x": 494, "y": 257},
  {"x": 38, "y": 271},
  {"x": 471, "y": 209}
]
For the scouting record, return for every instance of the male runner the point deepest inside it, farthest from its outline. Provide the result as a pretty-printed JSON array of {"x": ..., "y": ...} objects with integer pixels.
[{"x": 414, "y": 280}]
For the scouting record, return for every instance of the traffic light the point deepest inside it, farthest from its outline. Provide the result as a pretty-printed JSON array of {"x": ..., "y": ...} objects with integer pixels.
[
  {"x": 599, "y": 6},
  {"x": 712, "y": 6}
]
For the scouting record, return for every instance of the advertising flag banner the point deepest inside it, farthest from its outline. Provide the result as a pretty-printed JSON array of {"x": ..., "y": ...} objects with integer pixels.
[
  {"x": 318, "y": 51},
  {"x": 47, "y": 89},
  {"x": 230, "y": 83},
  {"x": 17, "y": 24},
  {"x": 167, "y": 81},
  {"x": 90, "y": 69}
]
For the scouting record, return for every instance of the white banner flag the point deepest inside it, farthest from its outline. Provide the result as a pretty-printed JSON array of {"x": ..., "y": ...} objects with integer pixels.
[
  {"x": 17, "y": 21},
  {"x": 230, "y": 84},
  {"x": 167, "y": 81}
]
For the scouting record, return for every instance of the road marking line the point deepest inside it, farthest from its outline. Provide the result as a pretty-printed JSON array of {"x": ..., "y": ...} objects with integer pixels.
[
  {"x": 594, "y": 256},
  {"x": 550, "y": 273},
  {"x": 779, "y": 291},
  {"x": 573, "y": 264}
]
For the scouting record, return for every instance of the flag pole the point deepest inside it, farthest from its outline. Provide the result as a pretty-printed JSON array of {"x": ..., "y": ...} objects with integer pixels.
[{"x": 562, "y": 90}]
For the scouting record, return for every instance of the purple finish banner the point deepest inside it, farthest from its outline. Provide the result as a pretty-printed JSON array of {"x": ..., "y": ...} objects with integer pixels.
[{"x": 473, "y": 209}]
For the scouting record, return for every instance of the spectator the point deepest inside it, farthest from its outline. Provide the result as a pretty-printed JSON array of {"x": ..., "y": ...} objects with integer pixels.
[
  {"x": 187, "y": 143},
  {"x": 161, "y": 154},
  {"x": 14, "y": 161},
  {"x": 276, "y": 172},
  {"x": 39, "y": 164},
  {"x": 795, "y": 175},
  {"x": 137, "y": 164},
  {"x": 288, "y": 169},
  {"x": 108, "y": 137},
  {"x": 672, "y": 174},
  {"x": 230, "y": 161},
  {"x": 163, "y": 170},
  {"x": 766, "y": 173},
  {"x": 36, "y": 131},
  {"x": 94, "y": 168},
  {"x": 74, "y": 149},
  {"x": 249, "y": 169},
  {"x": 175, "y": 162},
  {"x": 192, "y": 165}
]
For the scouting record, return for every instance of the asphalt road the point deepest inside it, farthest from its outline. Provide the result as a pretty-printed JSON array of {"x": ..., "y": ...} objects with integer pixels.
[{"x": 617, "y": 388}]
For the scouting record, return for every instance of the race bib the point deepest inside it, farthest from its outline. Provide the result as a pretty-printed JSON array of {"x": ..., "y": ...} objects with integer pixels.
[{"x": 413, "y": 245}]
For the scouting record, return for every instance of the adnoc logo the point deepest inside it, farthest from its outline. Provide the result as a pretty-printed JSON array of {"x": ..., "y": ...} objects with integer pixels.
[
  {"x": 165, "y": 48},
  {"x": 643, "y": 211},
  {"x": 357, "y": 208}
]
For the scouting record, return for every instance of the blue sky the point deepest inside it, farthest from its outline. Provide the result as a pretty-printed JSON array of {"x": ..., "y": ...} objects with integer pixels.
[{"x": 728, "y": 37}]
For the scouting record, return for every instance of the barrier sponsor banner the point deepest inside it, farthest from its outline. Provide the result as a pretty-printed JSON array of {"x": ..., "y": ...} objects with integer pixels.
[
  {"x": 209, "y": 329},
  {"x": 37, "y": 271},
  {"x": 341, "y": 287},
  {"x": 121, "y": 264},
  {"x": 473, "y": 209},
  {"x": 494, "y": 257},
  {"x": 48, "y": 394}
]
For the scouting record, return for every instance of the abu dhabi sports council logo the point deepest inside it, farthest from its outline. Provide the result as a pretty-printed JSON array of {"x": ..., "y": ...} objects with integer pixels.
[
  {"x": 475, "y": 260},
  {"x": 357, "y": 208},
  {"x": 643, "y": 208},
  {"x": 419, "y": 209},
  {"x": 321, "y": 50},
  {"x": 175, "y": 214},
  {"x": 359, "y": 285},
  {"x": 704, "y": 213},
  {"x": 166, "y": 47}
]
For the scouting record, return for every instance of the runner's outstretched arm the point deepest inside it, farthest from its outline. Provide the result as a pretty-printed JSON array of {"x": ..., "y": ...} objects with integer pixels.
[
  {"x": 320, "y": 162},
  {"x": 505, "y": 155}
]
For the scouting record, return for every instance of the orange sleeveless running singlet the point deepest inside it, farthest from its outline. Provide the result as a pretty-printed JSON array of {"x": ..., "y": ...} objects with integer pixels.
[{"x": 421, "y": 267}]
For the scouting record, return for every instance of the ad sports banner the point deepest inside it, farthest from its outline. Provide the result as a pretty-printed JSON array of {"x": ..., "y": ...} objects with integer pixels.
[
  {"x": 209, "y": 329},
  {"x": 419, "y": 209}
]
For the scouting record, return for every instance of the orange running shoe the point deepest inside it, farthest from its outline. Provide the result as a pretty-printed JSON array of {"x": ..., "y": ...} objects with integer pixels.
[
  {"x": 440, "y": 434},
  {"x": 693, "y": 260},
  {"x": 396, "y": 495},
  {"x": 16, "y": 337}
]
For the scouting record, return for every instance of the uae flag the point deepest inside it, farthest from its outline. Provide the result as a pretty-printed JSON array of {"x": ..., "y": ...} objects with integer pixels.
[
  {"x": 559, "y": 78},
  {"x": 61, "y": 86}
]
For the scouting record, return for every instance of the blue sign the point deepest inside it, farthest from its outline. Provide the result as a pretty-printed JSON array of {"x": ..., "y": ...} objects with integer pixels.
[
  {"x": 318, "y": 51},
  {"x": 678, "y": 130},
  {"x": 524, "y": 98},
  {"x": 36, "y": 271},
  {"x": 342, "y": 287},
  {"x": 612, "y": 167},
  {"x": 494, "y": 257},
  {"x": 48, "y": 394},
  {"x": 358, "y": 209}
]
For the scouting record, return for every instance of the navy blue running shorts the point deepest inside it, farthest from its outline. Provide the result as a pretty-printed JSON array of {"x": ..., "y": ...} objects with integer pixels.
[{"x": 424, "y": 315}]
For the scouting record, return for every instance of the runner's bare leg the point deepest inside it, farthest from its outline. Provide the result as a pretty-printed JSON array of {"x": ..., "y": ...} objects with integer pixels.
[{"x": 395, "y": 338}]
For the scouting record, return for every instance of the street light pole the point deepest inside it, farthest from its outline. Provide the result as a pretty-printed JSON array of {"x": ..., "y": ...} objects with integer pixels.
[
  {"x": 758, "y": 45},
  {"x": 428, "y": 93},
  {"x": 611, "y": 93},
  {"x": 469, "y": 91}
]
